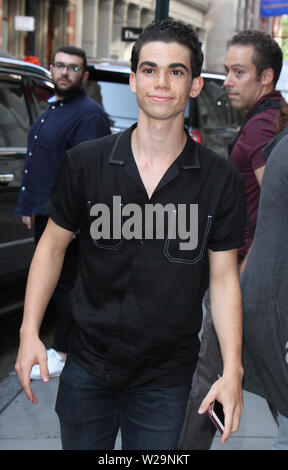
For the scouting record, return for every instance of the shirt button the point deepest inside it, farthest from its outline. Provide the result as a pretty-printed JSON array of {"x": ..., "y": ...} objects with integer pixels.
[
  {"x": 42, "y": 120},
  {"x": 23, "y": 188},
  {"x": 35, "y": 136},
  {"x": 26, "y": 171},
  {"x": 107, "y": 376},
  {"x": 52, "y": 107},
  {"x": 30, "y": 153}
]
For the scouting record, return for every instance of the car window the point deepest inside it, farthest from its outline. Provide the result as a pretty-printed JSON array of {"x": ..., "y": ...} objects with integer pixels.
[
  {"x": 214, "y": 109},
  {"x": 213, "y": 118},
  {"x": 14, "y": 118},
  {"x": 118, "y": 101}
]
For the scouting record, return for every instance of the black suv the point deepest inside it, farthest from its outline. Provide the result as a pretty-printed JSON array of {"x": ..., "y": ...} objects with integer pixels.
[{"x": 24, "y": 90}]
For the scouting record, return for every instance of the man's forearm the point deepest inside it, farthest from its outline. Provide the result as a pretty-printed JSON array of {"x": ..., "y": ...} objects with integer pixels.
[
  {"x": 226, "y": 308},
  {"x": 43, "y": 277},
  {"x": 225, "y": 297}
]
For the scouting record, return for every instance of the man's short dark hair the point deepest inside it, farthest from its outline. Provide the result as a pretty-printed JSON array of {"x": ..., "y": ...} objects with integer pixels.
[
  {"x": 169, "y": 31},
  {"x": 72, "y": 50},
  {"x": 267, "y": 52}
]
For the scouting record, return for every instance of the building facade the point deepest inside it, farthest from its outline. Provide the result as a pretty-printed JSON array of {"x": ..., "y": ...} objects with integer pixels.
[
  {"x": 227, "y": 17},
  {"x": 95, "y": 25}
]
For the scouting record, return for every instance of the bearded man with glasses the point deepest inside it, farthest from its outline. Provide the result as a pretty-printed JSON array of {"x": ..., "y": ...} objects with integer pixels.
[
  {"x": 71, "y": 118},
  {"x": 68, "y": 77}
]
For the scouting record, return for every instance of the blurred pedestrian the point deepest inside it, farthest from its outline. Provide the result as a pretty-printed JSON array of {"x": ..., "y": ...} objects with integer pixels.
[
  {"x": 264, "y": 287},
  {"x": 71, "y": 117},
  {"x": 135, "y": 347},
  {"x": 253, "y": 64}
]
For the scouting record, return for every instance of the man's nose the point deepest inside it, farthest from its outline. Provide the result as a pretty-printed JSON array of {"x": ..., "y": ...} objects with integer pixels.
[
  {"x": 227, "y": 81},
  {"x": 65, "y": 70},
  {"x": 162, "y": 79}
]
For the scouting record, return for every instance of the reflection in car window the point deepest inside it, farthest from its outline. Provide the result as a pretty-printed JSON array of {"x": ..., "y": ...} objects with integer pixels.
[
  {"x": 41, "y": 90},
  {"x": 214, "y": 107},
  {"x": 14, "y": 119},
  {"x": 218, "y": 121},
  {"x": 118, "y": 101}
]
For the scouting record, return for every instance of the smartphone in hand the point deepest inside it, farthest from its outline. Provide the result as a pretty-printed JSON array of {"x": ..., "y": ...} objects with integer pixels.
[{"x": 216, "y": 414}]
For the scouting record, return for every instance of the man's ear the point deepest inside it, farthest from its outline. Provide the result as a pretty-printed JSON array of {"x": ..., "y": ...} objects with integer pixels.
[
  {"x": 132, "y": 82},
  {"x": 85, "y": 76},
  {"x": 196, "y": 87},
  {"x": 267, "y": 76}
]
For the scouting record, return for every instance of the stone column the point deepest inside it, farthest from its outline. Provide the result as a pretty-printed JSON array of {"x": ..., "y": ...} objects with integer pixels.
[
  {"x": 90, "y": 27},
  {"x": 71, "y": 23},
  {"x": 147, "y": 16},
  {"x": 134, "y": 21},
  {"x": 16, "y": 38},
  {"x": 105, "y": 21},
  {"x": 134, "y": 15},
  {"x": 1, "y": 16},
  {"x": 41, "y": 32},
  {"x": 79, "y": 9},
  {"x": 119, "y": 20}
]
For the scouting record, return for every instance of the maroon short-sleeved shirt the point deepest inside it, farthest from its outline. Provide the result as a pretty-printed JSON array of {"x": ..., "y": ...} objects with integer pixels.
[{"x": 247, "y": 157}]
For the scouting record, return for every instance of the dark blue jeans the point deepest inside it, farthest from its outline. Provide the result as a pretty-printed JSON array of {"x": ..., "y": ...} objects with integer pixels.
[{"x": 150, "y": 418}]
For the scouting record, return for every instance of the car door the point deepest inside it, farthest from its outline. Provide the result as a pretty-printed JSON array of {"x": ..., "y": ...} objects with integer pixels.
[{"x": 18, "y": 108}]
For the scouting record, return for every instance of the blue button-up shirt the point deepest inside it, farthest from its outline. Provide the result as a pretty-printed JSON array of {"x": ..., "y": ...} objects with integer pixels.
[{"x": 63, "y": 125}]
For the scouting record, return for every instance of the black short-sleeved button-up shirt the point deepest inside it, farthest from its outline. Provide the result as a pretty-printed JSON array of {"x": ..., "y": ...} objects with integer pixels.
[{"x": 137, "y": 299}]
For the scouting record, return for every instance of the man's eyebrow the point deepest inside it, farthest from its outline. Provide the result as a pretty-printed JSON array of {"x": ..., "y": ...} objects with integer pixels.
[
  {"x": 234, "y": 65},
  {"x": 178, "y": 64},
  {"x": 171, "y": 66},
  {"x": 147, "y": 63}
]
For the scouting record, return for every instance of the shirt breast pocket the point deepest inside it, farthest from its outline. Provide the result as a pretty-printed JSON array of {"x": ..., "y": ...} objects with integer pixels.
[
  {"x": 102, "y": 232},
  {"x": 112, "y": 245},
  {"x": 178, "y": 250}
]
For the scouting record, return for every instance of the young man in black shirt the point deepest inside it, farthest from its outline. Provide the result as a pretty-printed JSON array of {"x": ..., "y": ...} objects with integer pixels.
[{"x": 137, "y": 299}]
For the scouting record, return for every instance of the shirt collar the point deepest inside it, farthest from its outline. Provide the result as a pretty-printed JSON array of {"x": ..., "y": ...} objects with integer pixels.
[
  {"x": 53, "y": 100},
  {"x": 273, "y": 96},
  {"x": 122, "y": 152}
]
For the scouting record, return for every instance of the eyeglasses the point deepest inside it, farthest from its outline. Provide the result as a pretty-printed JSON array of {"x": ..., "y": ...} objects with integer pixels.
[{"x": 70, "y": 67}]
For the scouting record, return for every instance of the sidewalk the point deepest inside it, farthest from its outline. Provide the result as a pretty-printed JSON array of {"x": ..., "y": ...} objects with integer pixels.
[{"x": 35, "y": 427}]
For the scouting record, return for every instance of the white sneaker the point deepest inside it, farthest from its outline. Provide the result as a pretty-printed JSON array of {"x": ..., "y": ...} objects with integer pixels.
[{"x": 55, "y": 365}]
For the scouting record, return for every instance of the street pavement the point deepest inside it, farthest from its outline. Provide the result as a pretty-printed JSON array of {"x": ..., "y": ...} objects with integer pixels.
[{"x": 35, "y": 427}]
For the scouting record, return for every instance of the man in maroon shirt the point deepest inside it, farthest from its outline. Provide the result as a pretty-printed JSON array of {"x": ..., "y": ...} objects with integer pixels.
[
  {"x": 253, "y": 64},
  {"x": 248, "y": 158}
]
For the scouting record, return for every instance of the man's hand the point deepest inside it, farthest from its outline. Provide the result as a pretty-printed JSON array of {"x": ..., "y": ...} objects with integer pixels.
[
  {"x": 28, "y": 220},
  {"x": 226, "y": 310},
  {"x": 45, "y": 270},
  {"x": 29, "y": 354},
  {"x": 229, "y": 393}
]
